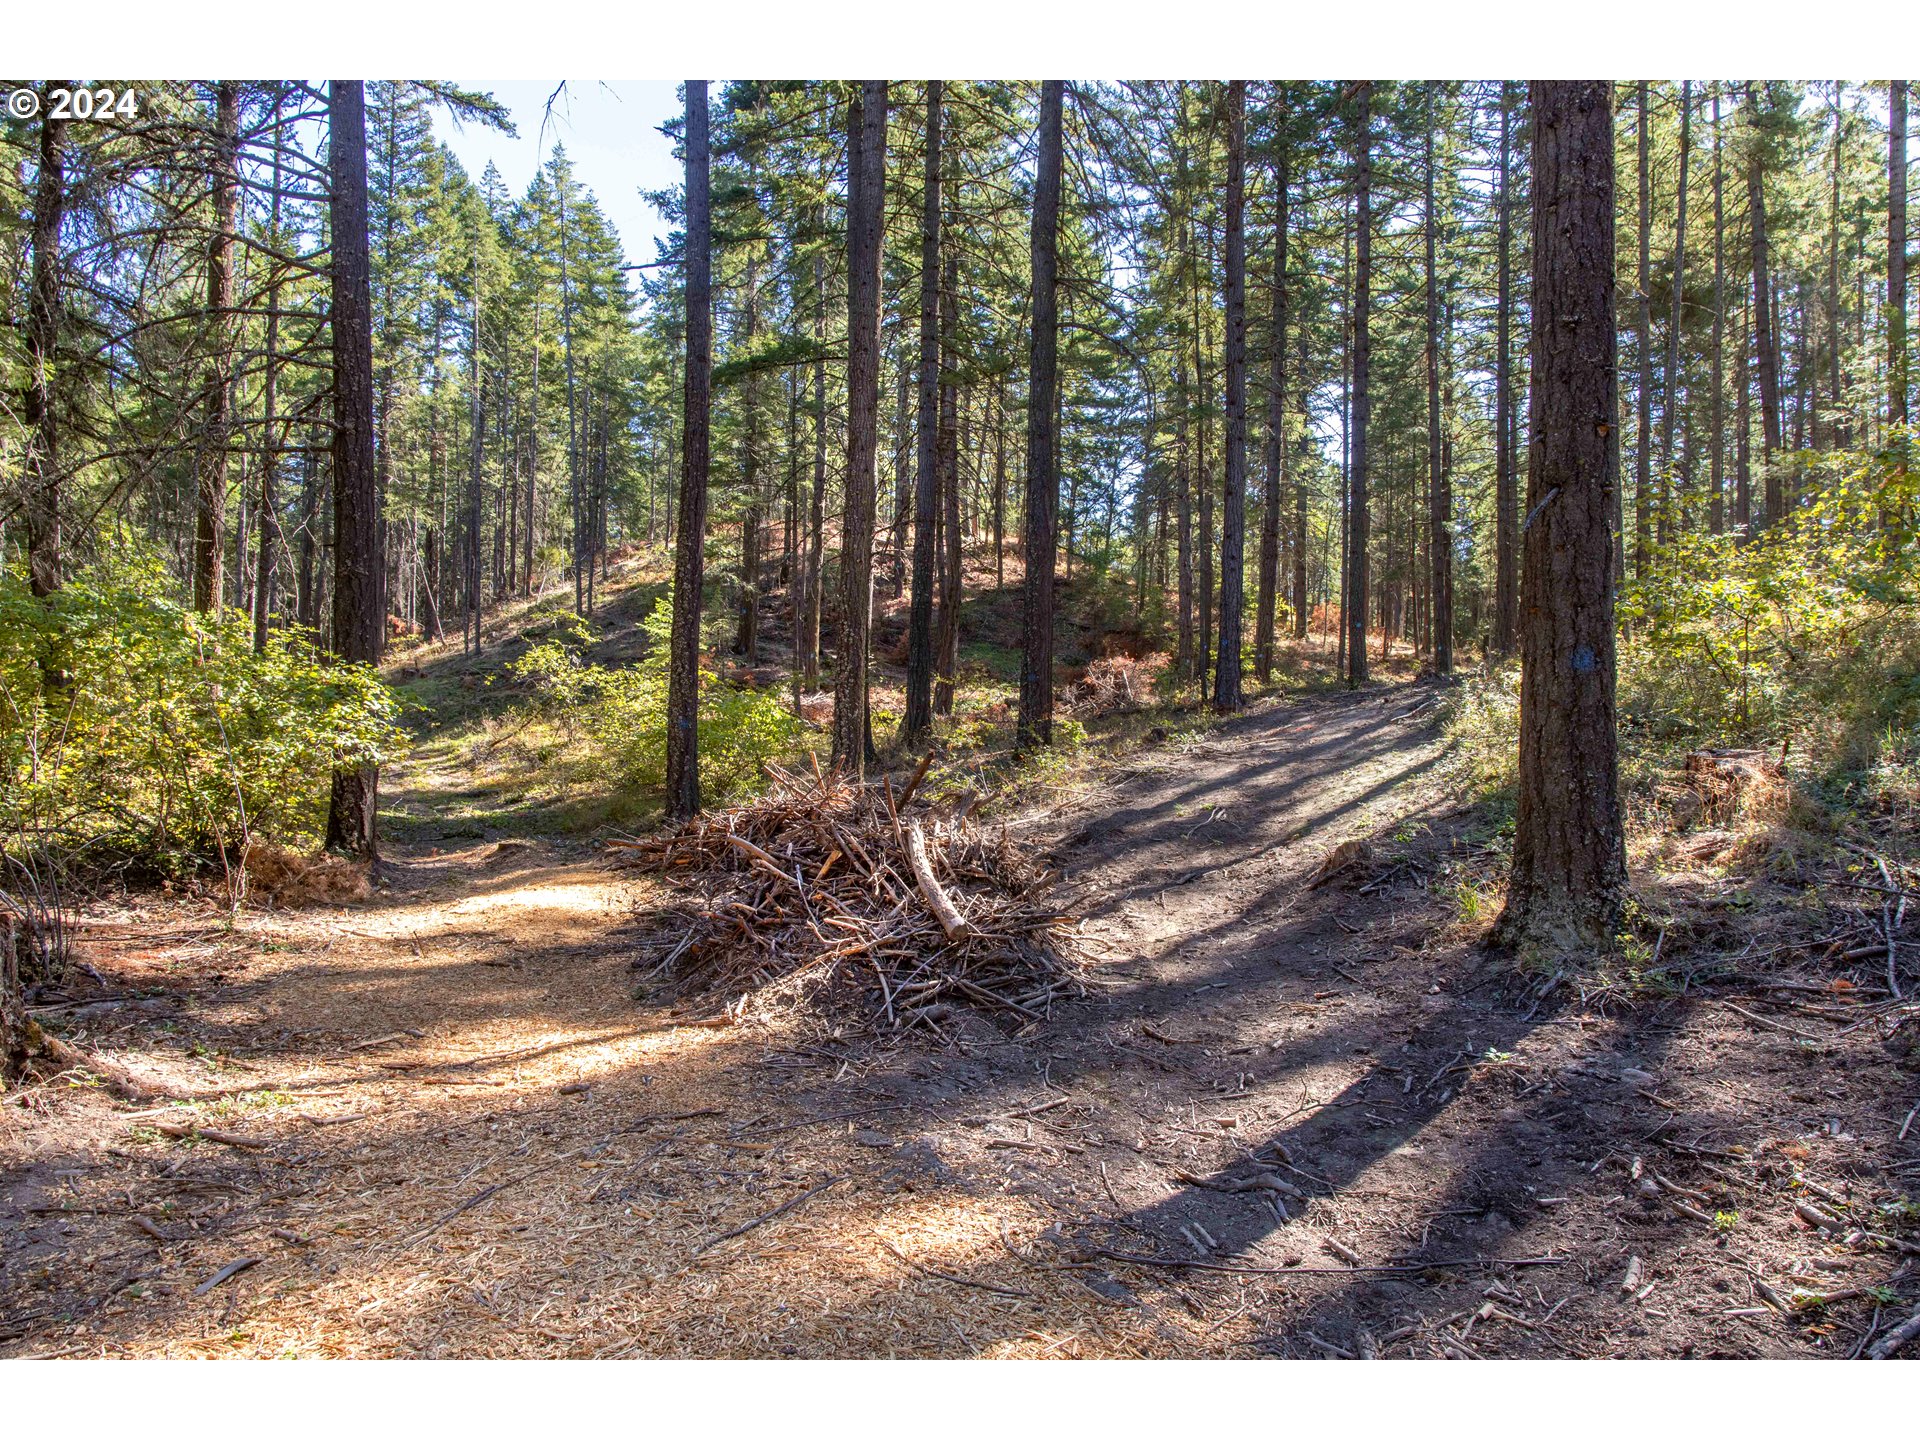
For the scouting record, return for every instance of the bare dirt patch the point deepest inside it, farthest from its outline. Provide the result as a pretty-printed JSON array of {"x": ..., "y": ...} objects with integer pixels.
[{"x": 1293, "y": 1119}]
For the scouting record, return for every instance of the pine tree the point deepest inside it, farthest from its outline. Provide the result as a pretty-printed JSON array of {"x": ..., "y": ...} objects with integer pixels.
[
  {"x": 359, "y": 563},
  {"x": 1569, "y": 880},
  {"x": 683, "y": 675}
]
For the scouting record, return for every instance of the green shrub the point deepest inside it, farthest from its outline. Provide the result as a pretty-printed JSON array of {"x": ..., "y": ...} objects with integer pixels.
[
  {"x": 621, "y": 713},
  {"x": 1808, "y": 632},
  {"x": 132, "y": 724},
  {"x": 1805, "y": 636},
  {"x": 1482, "y": 721}
]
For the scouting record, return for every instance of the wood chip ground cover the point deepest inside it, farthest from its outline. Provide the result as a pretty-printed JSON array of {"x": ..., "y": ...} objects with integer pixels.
[{"x": 1287, "y": 1120}]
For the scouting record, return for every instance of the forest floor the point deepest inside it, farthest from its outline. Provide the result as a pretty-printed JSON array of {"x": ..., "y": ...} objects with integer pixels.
[{"x": 437, "y": 1121}]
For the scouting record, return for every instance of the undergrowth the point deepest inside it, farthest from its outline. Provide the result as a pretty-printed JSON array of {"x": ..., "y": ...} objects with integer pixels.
[
  {"x": 1802, "y": 642},
  {"x": 134, "y": 729}
]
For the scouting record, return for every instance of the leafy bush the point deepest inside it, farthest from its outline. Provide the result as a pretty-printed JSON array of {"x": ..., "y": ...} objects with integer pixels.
[
  {"x": 1482, "y": 718},
  {"x": 1808, "y": 632},
  {"x": 621, "y": 713},
  {"x": 1805, "y": 636},
  {"x": 132, "y": 724}
]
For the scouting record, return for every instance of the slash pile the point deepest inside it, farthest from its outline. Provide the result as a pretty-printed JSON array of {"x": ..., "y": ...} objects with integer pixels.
[{"x": 831, "y": 892}]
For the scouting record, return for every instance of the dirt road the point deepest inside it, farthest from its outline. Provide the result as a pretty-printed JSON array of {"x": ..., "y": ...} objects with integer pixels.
[{"x": 1294, "y": 1119}]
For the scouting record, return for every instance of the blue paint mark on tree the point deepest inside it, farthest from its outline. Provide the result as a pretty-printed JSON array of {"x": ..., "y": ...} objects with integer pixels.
[{"x": 1583, "y": 660}]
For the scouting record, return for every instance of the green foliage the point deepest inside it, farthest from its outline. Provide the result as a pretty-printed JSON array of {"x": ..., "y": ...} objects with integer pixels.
[
  {"x": 1806, "y": 635},
  {"x": 1807, "y": 632},
  {"x": 620, "y": 714},
  {"x": 132, "y": 724},
  {"x": 1482, "y": 718}
]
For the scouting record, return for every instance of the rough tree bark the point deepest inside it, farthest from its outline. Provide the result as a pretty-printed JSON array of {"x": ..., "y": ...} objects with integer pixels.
[
  {"x": 217, "y": 388},
  {"x": 817, "y": 499},
  {"x": 476, "y": 448},
  {"x": 1183, "y": 560},
  {"x": 1439, "y": 490},
  {"x": 1643, "y": 345},
  {"x": 1766, "y": 345},
  {"x": 358, "y": 565},
  {"x": 272, "y": 541},
  {"x": 43, "y": 338},
  {"x": 1233, "y": 523},
  {"x": 1275, "y": 456},
  {"x": 1569, "y": 858},
  {"x": 1670, "y": 401},
  {"x": 1301, "y": 471},
  {"x": 1897, "y": 361},
  {"x": 1506, "y": 516},
  {"x": 1357, "y": 564},
  {"x": 1717, "y": 399},
  {"x": 919, "y": 706},
  {"x": 867, "y": 178},
  {"x": 946, "y": 649},
  {"x": 689, "y": 561},
  {"x": 746, "y": 642},
  {"x": 1035, "y": 722}
]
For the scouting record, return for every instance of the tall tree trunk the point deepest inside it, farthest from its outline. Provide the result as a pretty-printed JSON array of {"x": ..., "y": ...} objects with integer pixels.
[
  {"x": 1184, "y": 665},
  {"x": 1439, "y": 489},
  {"x": 1766, "y": 343},
  {"x": 1643, "y": 343},
  {"x": 306, "y": 611},
  {"x": 1569, "y": 883},
  {"x": 1506, "y": 507},
  {"x": 272, "y": 541},
  {"x": 574, "y": 492},
  {"x": 947, "y": 641},
  {"x": 1203, "y": 479},
  {"x": 1717, "y": 400},
  {"x": 1302, "y": 469},
  {"x": 1275, "y": 438},
  {"x": 510, "y": 483},
  {"x": 533, "y": 459},
  {"x": 1000, "y": 483},
  {"x": 903, "y": 477},
  {"x": 866, "y": 214},
  {"x": 210, "y": 511},
  {"x": 919, "y": 711},
  {"x": 1897, "y": 358},
  {"x": 1836, "y": 426},
  {"x": 476, "y": 447},
  {"x": 1743, "y": 425},
  {"x": 689, "y": 561},
  {"x": 504, "y": 497},
  {"x": 1346, "y": 435},
  {"x": 359, "y": 567},
  {"x": 817, "y": 500},
  {"x": 1357, "y": 576},
  {"x": 1035, "y": 724},
  {"x": 1233, "y": 524},
  {"x": 42, "y": 508},
  {"x": 746, "y": 641},
  {"x": 1670, "y": 400},
  {"x": 793, "y": 570}
]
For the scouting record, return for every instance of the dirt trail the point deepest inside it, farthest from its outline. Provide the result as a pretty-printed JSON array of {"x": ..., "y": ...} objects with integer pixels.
[{"x": 473, "y": 1139}]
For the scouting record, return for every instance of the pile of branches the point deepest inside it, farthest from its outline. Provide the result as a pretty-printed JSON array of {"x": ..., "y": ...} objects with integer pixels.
[{"x": 830, "y": 892}]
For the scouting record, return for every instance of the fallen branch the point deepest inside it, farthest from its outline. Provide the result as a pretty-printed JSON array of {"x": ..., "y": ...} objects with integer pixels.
[
  {"x": 225, "y": 1273},
  {"x": 951, "y": 920},
  {"x": 951, "y": 1279},
  {"x": 773, "y": 1214},
  {"x": 1885, "y": 1347},
  {"x": 187, "y": 1130}
]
